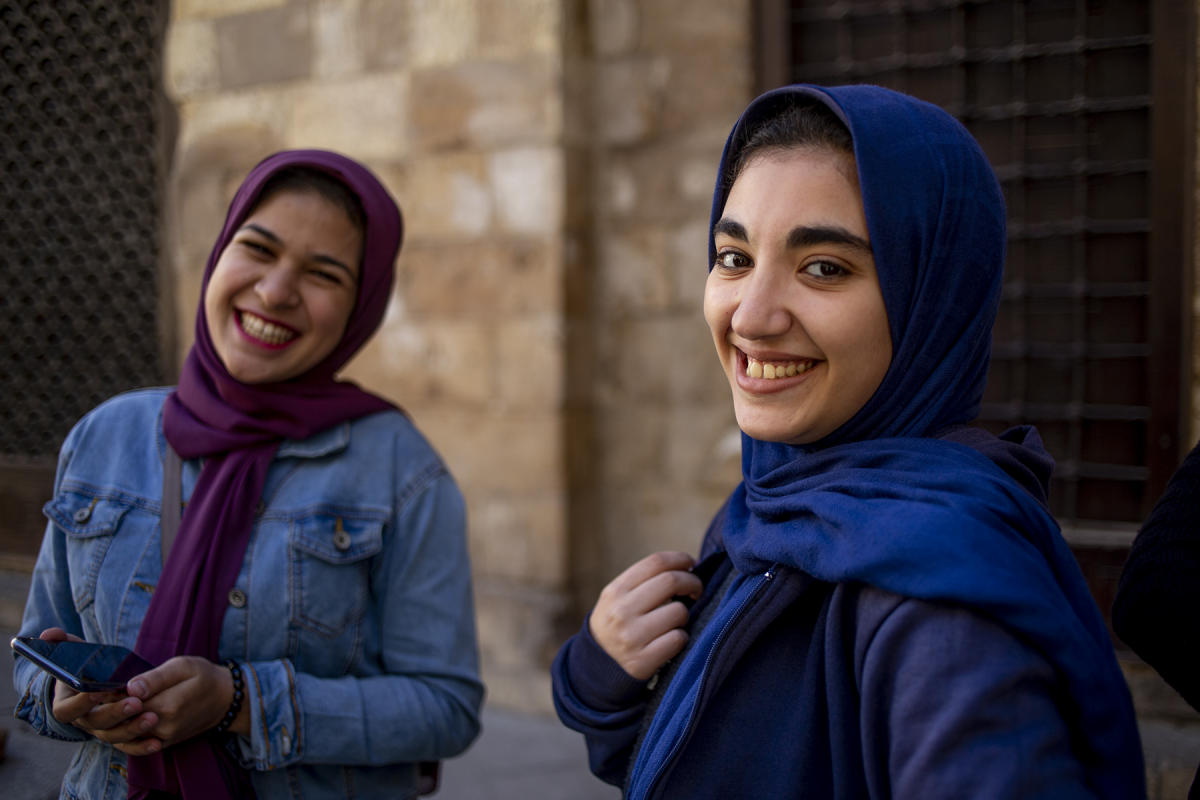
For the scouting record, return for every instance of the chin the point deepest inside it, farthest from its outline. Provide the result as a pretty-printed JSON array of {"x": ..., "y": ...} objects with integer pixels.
[{"x": 768, "y": 431}]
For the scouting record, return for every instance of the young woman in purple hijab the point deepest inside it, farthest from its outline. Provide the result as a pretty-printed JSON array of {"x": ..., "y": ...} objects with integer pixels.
[
  {"x": 884, "y": 607},
  {"x": 286, "y": 547}
]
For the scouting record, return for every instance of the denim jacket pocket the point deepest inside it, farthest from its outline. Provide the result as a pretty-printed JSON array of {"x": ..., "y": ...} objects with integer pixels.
[
  {"x": 331, "y": 556},
  {"x": 88, "y": 521}
]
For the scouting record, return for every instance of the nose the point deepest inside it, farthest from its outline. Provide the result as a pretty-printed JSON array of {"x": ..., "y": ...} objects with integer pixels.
[
  {"x": 277, "y": 287},
  {"x": 761, "y": 310}
]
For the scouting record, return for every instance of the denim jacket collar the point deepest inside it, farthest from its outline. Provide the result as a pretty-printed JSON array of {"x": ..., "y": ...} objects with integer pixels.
[{"x": 327, "y": 442}]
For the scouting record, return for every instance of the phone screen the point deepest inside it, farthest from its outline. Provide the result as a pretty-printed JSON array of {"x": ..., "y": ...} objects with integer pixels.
[{"x": 85, "y": 666}]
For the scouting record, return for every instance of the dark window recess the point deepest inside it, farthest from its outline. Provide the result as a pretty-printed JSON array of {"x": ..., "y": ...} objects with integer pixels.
[
  {"x": 1092, "y": 337},
  {"x": 81, "y": 118}
]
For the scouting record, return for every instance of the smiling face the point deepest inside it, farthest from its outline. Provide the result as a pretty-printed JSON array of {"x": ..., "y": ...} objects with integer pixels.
[
  {"x": 793, "y": 301},
  {"x": 282, "y": 290}
]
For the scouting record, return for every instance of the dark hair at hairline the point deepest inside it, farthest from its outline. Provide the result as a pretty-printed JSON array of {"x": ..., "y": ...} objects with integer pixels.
[
  {"x": 308, "y": 179},
  {"x": 797, "y": 123}
]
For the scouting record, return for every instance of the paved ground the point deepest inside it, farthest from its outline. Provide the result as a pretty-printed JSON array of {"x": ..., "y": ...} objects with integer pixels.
[{"x": 517, "y": 757}]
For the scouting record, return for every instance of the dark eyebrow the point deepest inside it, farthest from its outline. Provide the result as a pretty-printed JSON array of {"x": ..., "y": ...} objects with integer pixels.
[
  {"x": 826, "y": 234},
  {"x": 802, "y": 236},
  {"x": 730, "y": 228},
  {"x": 260, "y": 230},
  {"x": 319, "y": 257}
]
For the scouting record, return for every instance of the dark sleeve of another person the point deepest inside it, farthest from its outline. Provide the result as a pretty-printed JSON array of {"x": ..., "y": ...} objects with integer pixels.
[{"x": 1157, "y": 608}]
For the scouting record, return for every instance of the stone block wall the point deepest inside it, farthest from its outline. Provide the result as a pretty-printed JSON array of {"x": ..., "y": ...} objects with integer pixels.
[
  {"x": 668, "y": 80},
  {"x": 554, "y": 160}
]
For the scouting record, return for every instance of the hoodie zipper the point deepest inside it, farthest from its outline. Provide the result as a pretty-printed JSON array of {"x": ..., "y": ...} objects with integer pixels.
[{"x": 706, "y": 674}]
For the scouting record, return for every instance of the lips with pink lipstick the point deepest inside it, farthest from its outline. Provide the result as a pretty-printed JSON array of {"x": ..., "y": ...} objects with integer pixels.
[{"x": 264, "y": 332}]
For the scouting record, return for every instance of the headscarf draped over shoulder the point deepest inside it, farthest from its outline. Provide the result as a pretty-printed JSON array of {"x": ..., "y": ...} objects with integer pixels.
[{"x": 904, "y": 496}]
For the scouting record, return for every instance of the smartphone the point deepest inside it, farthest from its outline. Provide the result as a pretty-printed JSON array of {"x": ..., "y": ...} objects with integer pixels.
[{"x": 84, "y": 666}]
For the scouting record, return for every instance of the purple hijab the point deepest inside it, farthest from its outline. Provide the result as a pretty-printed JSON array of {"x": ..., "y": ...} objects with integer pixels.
[{"x": 236, "y": 428}]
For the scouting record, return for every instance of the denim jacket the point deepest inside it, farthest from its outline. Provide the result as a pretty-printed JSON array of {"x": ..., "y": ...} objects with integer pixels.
[{"x": 352, "y": 613}]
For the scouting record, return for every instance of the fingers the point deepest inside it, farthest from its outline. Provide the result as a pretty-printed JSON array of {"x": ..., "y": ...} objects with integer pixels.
[
  {"x": 649, "y": 583},
  {"x": 631, "y": 634},
  {"x": 155, "y": 681},
  {"x": 69, "y": 704},
  {"x": 635, "y": 620},
  {"x": 664, "y": 648},
  {"x": 58, "y": 635},
  {"x": 107, "y": 716},
  {"x": 643, "y": 645},
  {"x": 110, "y": 717},
  {"x": 140, "y": 747},
  {"x": 652, "y": 565},
  {"x": 188, "y": 694},
  {"x": 660, "y": 589},
  {"x": 130, "y": 730}
]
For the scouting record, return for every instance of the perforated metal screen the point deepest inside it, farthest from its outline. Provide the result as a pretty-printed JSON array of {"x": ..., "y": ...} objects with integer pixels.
[
  {"x": 79, "y": 221},
  {"x": 1059, "y": 94}
]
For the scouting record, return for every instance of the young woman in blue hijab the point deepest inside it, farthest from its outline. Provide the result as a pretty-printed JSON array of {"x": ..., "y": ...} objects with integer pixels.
[{"x": 884, "y": 607}]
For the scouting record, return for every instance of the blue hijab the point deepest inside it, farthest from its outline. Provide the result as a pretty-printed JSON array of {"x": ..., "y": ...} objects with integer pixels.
[{"x": 903, "y": 497}]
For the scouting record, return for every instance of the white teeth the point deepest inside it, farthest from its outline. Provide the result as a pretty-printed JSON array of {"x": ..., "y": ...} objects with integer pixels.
[
  {"x": 268, "y": 332},
  {"x": 762, "y": 369}
]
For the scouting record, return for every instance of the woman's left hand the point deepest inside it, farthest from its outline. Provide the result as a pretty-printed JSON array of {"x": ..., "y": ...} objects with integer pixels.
[{"x": 189, "y": 694}]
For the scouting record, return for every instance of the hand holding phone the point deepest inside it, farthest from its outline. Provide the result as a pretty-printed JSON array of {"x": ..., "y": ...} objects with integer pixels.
[
  {"x": 110, "y": 715},
  {"x": 84, "y": 666}
]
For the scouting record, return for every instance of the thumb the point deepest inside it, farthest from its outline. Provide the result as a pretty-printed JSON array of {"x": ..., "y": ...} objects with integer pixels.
[{"x": 151, "y": 682}]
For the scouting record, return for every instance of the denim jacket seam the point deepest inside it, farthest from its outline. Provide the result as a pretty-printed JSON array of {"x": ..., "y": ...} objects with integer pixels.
[
  {"x": 126, "y": 596},
  {"x": 297, "y": 736},
  {"x": 418, "y": 483},
  {"x": 130, "y": 499},
  {"x": 352, "y": 511},
  {"x": 93, "y": 575},
  {"x": 262, "y": 716},
  {"x": 321, "y": 445}
]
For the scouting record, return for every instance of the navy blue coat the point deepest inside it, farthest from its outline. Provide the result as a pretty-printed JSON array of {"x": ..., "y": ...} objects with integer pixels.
[{"x": 838, "y": 691}]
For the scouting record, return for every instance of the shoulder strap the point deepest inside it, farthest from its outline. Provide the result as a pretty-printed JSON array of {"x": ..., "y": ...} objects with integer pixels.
[{"x": 172, "y": 497}]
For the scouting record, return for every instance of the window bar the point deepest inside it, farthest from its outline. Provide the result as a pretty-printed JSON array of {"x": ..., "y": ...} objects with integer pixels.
[{"x": 1079, "y": 306}]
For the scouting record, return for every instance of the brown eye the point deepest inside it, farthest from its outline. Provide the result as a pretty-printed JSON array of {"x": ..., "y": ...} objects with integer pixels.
[
  {"x": 825, "y": 270},
  {"x": 732, "y": 260}
]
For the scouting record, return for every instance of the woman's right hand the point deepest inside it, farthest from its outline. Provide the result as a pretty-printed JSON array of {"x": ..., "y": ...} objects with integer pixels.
[
  {"x": 111, "y": 717},
  {"x": 635, "y": 619}
]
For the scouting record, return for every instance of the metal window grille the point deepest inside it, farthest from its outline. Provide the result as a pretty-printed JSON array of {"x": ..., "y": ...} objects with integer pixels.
[
  {"x": 1060, "y": 95},
  {"x": 81, "y": 115}
]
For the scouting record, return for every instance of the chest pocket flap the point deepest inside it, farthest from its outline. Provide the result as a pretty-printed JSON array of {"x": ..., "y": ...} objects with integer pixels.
[
  {"x": 82, "y": 515},
  {"x": 339, "y": 537}
]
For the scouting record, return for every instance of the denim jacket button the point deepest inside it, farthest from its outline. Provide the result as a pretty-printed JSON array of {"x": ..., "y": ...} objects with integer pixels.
[
  {"x": 237, "y": 598},
  {"x": 341, "y": 540},
  {"x": 83, "y": 515}
]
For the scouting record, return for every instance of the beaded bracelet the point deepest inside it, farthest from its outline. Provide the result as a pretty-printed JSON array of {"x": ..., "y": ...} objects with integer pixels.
[{"x": 235, "y": 705}]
